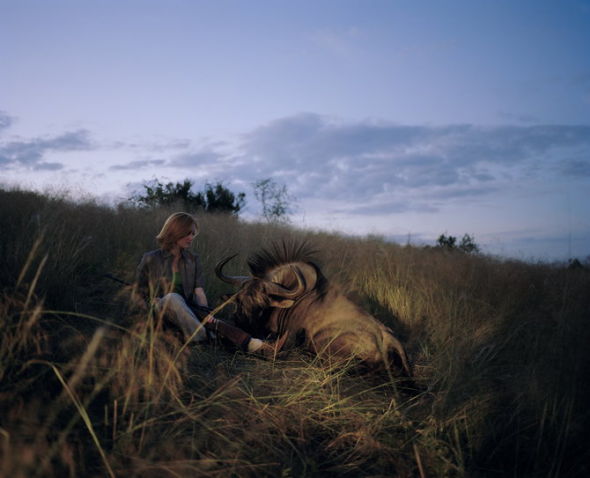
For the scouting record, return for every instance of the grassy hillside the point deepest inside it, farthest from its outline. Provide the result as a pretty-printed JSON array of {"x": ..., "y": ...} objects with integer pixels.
[{"x": 90, "y": 387}]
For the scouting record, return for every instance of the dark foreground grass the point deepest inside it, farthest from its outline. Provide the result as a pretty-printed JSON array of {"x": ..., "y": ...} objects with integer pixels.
[{"x": 90, "y": 387}]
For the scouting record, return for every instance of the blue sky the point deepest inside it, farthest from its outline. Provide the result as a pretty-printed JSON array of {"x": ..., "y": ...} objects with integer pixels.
[{"x": 404, "y": 119}]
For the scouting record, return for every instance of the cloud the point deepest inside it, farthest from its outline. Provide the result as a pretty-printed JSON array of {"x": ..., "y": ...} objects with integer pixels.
[
  {"x": 152, "y": 147},
  {"x": 510, "y": 144},
  {"x": 197, "y": 159},
  {"x": 30, "y": 153},
  {"x": 135, "y": 165},
  {"x": 306, "y": 137},
  {"x": 45, "y": 166},
  {"x": 374, "y": 167},
  {"x": 5, "y": 120},
  {"x": 367, "y": 157},
  {"x": 380, "y": 164},
  {"x": 519, "y": 118},
  {"x": 576, "y": 168},
  {"x": 385, "y": 207},
  {"x": 463, "y": 192}
]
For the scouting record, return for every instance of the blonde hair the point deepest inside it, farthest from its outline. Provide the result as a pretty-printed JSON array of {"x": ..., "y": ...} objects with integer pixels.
[{"x": 177, "y": 226}]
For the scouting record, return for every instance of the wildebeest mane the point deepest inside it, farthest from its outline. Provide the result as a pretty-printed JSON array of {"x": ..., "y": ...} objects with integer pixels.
[
  {"x": 288, "y": 252},
  {"x": 279, "y": 253}
]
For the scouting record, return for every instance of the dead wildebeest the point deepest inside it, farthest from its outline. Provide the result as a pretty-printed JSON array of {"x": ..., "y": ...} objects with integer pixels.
[{"x": 287, "y": 295}]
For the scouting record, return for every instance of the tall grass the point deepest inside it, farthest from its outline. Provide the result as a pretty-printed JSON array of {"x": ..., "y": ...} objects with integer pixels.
[{"x": 91, "y": 387}]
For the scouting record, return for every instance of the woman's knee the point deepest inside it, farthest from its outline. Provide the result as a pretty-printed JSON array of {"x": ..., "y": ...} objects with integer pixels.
[{"x": 171, "y": 299}]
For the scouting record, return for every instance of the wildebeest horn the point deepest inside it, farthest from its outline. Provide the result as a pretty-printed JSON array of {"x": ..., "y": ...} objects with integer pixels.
[
  {"x": 273, "y": 288},
  {"x": 236, "y": 281}
]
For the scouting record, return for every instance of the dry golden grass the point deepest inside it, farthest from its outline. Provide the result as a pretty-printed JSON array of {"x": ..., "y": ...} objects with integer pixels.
[{"x": 88, "y": 387}]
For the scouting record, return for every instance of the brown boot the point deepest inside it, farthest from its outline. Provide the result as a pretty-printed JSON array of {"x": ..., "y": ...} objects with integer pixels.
[{"x": 234, "y": 334}]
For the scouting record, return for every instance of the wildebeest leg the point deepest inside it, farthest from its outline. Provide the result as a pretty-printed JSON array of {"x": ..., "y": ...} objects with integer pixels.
[{"x": 399, "y": 357}]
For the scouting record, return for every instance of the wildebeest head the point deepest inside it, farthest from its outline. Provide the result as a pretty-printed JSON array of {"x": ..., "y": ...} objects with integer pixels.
[
  {"x": 280, "y": 276},
  {"x": 280, "y": 289}
]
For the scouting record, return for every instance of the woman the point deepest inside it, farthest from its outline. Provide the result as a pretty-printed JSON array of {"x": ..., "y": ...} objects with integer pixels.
[{"x": 171, "y": 279}]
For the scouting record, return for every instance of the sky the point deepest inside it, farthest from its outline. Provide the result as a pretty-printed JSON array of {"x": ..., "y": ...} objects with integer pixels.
[{"x": 401, "y": 119}]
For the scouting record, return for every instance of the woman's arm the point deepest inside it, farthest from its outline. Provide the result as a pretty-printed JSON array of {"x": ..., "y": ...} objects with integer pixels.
[{"x": 201, "y": 297}]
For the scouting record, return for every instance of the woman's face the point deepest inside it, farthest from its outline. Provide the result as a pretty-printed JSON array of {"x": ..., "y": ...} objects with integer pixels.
[{"x": 185, "y": 242}]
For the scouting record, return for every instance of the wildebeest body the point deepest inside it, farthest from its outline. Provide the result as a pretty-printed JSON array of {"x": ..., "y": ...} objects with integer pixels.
[{"x": 288, "y": 294}]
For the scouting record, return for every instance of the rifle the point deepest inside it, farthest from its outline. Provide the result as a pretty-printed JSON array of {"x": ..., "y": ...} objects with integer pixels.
[{"x": 116, "y": 279}]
